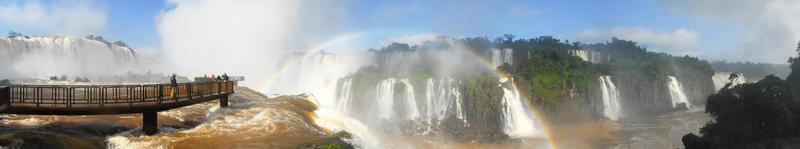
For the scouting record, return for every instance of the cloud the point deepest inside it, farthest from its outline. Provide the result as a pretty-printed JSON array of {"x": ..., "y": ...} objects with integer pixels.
[
  {"x": 678, "y": 42},
  {"x": 62, "y": 17},
  {"x": 770, "y": 28},
  {"x": 243, "y": 37}
]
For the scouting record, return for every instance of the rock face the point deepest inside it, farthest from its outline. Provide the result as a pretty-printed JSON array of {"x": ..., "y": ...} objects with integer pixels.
[{"x": 691, "y": 141}]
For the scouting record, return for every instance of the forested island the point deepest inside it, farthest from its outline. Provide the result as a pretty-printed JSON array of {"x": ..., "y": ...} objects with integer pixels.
[
  {"x": 566, "y": 81},
  {"x": 762, "y": 114}
]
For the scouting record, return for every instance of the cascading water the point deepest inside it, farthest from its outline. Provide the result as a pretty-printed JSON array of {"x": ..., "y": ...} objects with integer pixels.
[
  {"x": 737, "y": 78},
  {"x": 317, "y": 73},
  {"x": 500, "y": 57},
  {"x": 720, "y": 79},
  {"x": 43, "y": 56},
  {"x": 519, "y": 120},
  {"x": 587, "y": 55},
  {"x": 676, "y": 93},
  {"x": 385, "y": 99},
  {"x": 411, "y": 101},
  {"x": 610, "y": 95},
  {"x": 345, "y": 96},
  {"x": 440, "y": 96}
]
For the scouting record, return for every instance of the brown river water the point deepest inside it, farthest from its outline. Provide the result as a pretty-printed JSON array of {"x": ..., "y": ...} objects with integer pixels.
[{"x": 255, "y": 121}]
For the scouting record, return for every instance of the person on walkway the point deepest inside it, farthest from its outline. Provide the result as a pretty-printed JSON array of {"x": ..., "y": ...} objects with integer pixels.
[
  {"x": 225, "y": 76},
  {"x": 173, "y": 82},
  {"x": 213, "y": 78}
]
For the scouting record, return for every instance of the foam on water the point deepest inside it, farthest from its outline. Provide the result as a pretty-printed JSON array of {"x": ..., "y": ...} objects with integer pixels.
[{"x": 287, "y": 121}]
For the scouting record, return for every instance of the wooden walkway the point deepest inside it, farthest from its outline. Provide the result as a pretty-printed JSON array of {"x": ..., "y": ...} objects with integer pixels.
[{"x": 147, "y": 99}]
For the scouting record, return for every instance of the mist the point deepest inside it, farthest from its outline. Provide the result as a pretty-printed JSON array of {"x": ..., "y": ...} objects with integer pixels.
[
  {"x": 242, "y": 38},
  {"x": 39, "y": 57}
]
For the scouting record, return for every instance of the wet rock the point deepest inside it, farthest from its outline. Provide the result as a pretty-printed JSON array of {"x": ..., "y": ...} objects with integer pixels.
[
  {"x": 681, "y": 107},
  {"x": 692, "y": 141}
]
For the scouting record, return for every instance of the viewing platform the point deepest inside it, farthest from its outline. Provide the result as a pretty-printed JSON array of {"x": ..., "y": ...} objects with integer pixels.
[{"x": 147, "y": 99}]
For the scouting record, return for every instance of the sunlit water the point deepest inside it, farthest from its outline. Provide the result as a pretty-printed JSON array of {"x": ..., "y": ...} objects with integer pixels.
[
  {"x": 251, "y": 121},
  {"x": 662, "y": 131}
]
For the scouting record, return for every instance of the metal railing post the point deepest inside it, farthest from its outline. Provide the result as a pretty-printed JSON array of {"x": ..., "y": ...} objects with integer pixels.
[
  {"x": 5, "y": 96},
  {"x": 189, "y": 88},
  {"x": 160, "y": 93}
]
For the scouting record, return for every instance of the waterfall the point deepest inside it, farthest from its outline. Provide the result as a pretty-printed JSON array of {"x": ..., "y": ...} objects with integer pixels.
[
  {"x": 500, "y": 57},
  {"x": 611, "y": 107},
  {"x": 345, "y": 96},
  {"x": 386, "y": 102},
  {"x": 385, "y": 99},
  {"x": 587, "y": 55},
  {"x": 44, "y": 56},
  {"x": 676, "y": 93},
  {"x": 582, "y": 54},
  {"x": 316, "y": 73},
  {"x": 737, "y": 78},
  {"x": 720, "y": 79},
  {"x": 440, "y": 96},
  {"x": 411, "y": 101},
  {"x": 519, "y": 119}
]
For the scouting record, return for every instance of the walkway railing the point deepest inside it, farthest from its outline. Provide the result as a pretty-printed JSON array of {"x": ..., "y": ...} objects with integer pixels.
[
  {"x": 109, "y": 96},
  {"x": 147, "y": 99}
]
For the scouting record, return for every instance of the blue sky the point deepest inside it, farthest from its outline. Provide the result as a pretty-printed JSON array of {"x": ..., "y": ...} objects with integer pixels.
[{"x": 698, "y": 28}]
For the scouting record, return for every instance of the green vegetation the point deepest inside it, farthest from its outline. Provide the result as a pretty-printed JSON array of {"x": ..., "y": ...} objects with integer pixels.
[
  {"x": 552, "y": 71},
  {"x": 752, "y": 71},
  {"x": 641, "y": 75},
  {"x": 755, "y": 115},
  {"x": 558, "y": 83}
]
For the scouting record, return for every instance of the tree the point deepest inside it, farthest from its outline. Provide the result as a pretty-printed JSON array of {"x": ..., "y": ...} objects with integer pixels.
[
  {"x": 794, "y": 76},
  {"x": 509, "y": 37},
  {"x": 120, "y": 43},
  {"x": 12, "y": 34},
  {"x": 763, "y": 113},
  {"x": 752, "y": 112}
]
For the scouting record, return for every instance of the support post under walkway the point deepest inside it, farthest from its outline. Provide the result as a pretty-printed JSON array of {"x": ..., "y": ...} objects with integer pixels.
[
  {"x": 150, "y": 123},
  {"x": 147, "y": 99},
  {"x": 223, "y": 102}
]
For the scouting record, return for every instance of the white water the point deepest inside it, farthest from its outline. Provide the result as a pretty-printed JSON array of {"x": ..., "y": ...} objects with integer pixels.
[
  {"x": 500, "y": 57},
  {"x": 440, "y": 96},
  {"x": 519, "y": 120},
  {"x": 345, "y": 96},
  {"x": 318, "y": 73},
  {"x": 41, "y": 57},
  {"x": 385, "y": 99},
  {"x": 587, "y": 55},
  {"x": 676, "y": 92},
  {"x": 611, "y": 98},
  {"x": 720, "y": 79},
  {"x": 410, "y": 101}
]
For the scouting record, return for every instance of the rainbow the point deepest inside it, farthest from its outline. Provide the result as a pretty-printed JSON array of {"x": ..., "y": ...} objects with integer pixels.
[
  {"x": 485, "y": 61},
  {"x": 283, "y": 67}
]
